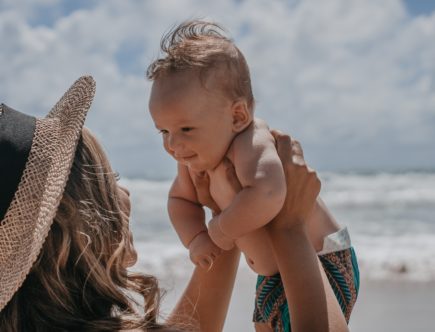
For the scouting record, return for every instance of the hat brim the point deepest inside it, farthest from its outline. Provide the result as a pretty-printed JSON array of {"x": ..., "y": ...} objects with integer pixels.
[{"x": 31, "y": 213}]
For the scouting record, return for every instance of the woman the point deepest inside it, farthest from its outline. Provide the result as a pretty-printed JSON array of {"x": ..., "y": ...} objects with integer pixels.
[{"x": 65, "y": 243}]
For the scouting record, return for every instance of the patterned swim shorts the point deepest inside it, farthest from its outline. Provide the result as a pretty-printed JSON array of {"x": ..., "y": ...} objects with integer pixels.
[{"x": 341, "y": 268}]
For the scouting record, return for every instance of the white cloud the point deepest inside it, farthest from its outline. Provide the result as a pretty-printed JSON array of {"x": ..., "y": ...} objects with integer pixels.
[{"x": 353, "y": 80}]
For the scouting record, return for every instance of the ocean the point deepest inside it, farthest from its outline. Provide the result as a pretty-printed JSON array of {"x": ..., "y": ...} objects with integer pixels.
[{"x": 390, "y": 216}]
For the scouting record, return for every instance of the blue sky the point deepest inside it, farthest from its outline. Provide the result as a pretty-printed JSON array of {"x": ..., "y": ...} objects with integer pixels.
[
  {"x": 354, "y": 81},
  {"x": 47, "y": 14},
  {"x": 420, "y": 7}
]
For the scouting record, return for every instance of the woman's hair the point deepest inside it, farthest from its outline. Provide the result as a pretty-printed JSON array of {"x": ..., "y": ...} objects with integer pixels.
[
  {"x": 199, "y": 46},
  {"x": 79, "y": 281}
]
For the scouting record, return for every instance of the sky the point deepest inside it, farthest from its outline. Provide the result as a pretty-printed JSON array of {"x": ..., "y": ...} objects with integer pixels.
[{"x": 353, "y": 80}]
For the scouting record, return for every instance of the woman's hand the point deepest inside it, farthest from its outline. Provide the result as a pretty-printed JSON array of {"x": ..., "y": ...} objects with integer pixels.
[
  {"x": 309, "y": 294},
  {"x": 303, "y": 185}
]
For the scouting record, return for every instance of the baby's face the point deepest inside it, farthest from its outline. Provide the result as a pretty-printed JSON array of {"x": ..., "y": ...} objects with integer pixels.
[{"x": 196, "y": 123}]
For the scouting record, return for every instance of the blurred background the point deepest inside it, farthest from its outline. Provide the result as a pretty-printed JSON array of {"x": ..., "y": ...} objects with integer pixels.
[{"x": 353, "y": 80}]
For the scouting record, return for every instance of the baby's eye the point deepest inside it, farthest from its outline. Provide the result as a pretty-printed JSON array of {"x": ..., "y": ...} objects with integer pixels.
[
  {"x": 163, "y": 131},
  {"x": 186, "y": 129}
]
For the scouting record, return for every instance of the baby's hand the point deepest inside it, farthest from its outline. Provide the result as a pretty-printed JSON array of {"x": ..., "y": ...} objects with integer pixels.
[
  {"x": 218, "y": 237},
  {"x": 203, "y": 251}
]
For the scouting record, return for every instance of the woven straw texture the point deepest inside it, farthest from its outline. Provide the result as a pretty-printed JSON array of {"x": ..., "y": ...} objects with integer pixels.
[{"x": 33, "y": 208}]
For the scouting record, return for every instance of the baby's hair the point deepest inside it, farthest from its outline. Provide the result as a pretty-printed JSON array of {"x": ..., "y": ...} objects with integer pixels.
[{"x": 203, "y": 46}]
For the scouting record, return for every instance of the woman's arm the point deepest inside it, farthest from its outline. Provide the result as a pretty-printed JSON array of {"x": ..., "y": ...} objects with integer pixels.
[
  {"x": 205, "y": 301},
  {"x": 311, "y": 300}
]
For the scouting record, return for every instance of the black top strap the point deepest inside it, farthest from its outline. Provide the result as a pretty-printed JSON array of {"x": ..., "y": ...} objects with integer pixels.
[{"x": 16, "y": 135}]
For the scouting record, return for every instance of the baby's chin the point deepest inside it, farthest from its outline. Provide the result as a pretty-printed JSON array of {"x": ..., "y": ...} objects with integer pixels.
[{"x": 197, "y": 166}]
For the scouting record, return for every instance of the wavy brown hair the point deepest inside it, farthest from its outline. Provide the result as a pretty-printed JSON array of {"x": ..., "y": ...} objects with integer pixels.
[{"x": 79, "y": 281}]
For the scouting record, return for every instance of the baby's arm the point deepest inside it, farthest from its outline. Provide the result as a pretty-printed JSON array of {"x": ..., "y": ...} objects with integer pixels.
[
  {"x": 188, "y": 218},
  {"x": 261, "y": 175}
]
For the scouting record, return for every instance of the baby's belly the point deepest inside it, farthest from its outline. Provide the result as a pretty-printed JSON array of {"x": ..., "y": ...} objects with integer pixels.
[{"x": 258, "y": 253}]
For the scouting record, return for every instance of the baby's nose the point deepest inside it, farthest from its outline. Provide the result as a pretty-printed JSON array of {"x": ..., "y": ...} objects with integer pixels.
[{"x": 174, "y": 142}]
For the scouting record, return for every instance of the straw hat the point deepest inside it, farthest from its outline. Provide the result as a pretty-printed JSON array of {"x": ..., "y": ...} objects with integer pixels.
[{"x": 36, "y": 156}]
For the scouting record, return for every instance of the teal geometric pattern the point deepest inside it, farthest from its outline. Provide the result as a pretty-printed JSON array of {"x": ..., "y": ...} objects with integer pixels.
[{"x": 341, "y": 268}]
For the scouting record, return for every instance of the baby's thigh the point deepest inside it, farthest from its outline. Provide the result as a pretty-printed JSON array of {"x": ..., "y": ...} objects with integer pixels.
[{"x": 262, "y": 327}]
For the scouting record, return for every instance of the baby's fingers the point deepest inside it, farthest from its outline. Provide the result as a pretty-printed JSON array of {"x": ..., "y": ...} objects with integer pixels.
[
  {"x": 216, "y": 252},
  {"x": 205, "y": 262}
]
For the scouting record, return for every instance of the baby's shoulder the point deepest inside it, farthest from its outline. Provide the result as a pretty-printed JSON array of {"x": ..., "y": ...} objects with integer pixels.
[
  {"x": 260, "y": 125},
  {"x": 257, "y": 134},
  {"x": 255, "y": 138}
]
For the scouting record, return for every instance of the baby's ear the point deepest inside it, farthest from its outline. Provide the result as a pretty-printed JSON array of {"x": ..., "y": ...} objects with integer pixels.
[{"x": 242, "y": 116}]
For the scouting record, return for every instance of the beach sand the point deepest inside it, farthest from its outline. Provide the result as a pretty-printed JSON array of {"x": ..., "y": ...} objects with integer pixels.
[
  {"x": 397, "y": 306},
  {"x": 382, "y": 306}
]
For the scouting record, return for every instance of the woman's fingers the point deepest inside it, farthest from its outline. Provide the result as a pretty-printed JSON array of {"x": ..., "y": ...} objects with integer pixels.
[
  {"x": 283, "y": 146},
  {"x": 284, "y": 141},
  {"x": 275, "y": 133},
  {"x": 303, "y": 185},
  {"x": 297, "y": 152},
  {"x": 288, "y": 148}
]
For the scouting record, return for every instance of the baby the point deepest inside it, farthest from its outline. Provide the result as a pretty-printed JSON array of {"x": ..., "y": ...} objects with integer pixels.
[{"x": 202, "y": 104}]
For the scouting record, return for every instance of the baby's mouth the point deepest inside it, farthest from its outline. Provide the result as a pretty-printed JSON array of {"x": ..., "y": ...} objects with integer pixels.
[
  {"x": 185, "y": 158},
  {"x": 189, "y": 158}
]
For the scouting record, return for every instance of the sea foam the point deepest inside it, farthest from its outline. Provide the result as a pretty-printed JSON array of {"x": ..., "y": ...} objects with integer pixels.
[{"x": 391, "y": 219}]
